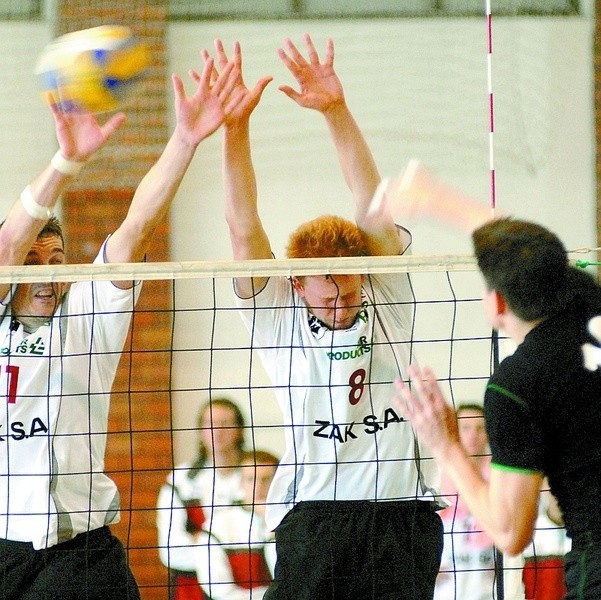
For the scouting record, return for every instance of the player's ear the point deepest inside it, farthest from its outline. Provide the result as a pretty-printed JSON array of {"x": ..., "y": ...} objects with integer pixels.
[
  {"x": 500, "y": 303},
  {"x": 298, "y": 286}
]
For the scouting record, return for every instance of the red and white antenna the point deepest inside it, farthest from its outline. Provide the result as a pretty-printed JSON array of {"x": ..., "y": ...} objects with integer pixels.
[{"x": 491, "y": 109}]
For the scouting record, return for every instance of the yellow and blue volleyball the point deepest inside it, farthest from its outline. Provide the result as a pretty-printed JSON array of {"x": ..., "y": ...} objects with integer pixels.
[{"x": 93, "y": 70}]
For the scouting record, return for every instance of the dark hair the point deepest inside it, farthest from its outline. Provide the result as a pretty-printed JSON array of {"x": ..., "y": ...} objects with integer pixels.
[
  {"x": 52, "y": 227},
  {"x": 326, "y": 237},
  {"x": 526, "y": 263},
  {"x": 203, "y": 452}
]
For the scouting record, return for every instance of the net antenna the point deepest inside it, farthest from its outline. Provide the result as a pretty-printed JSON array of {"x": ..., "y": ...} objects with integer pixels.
[
  {"x": 499, "y": 579},
  {"x": 491, "y": 108}
]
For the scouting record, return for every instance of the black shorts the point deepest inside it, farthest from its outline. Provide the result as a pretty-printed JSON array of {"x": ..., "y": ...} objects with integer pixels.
[
  {"x": 583, "y": 568},
  {"x": 92, "y": 565},
  {"x": 357, "y": 549}
]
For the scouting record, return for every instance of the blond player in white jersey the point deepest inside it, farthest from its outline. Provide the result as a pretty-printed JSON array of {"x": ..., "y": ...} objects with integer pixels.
[
  {"x": 59, "y": 350},
  {"x": 352, "y": 501}
]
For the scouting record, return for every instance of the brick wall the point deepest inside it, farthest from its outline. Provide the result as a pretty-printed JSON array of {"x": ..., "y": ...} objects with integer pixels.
[{"x": 139, "y": 443}]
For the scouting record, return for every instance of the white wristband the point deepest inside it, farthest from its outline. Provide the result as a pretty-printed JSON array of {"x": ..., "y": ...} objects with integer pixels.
[
  {"x": 32, "y": 208},
  {"x": 65, "y": 166}
]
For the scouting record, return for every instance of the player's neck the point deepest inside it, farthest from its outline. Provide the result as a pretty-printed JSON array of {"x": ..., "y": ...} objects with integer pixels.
[
  {"x": 517, "y": 329},
  {"x": 31, "y": 324}
]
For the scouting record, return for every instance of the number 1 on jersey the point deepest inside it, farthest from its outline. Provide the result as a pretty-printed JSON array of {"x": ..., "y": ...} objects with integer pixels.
[{"x": 12, "y": 375}]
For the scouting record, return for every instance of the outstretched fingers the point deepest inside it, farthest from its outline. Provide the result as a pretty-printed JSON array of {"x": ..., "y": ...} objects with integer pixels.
[
  {"x": 311, "y": 50},
  {"x": 423, "y": 396},
  {"x": 292, "y": 58},
  {"x": 226, "y": 80},
  {"x": 214, "y": 73},
  {"x": 329, "y": 52},
  {"x": 422, "y": 403},
  {"x": 222, "y": 56},
  {"x": 295, "y": 53},
  {"x": 230, "y": 93}
]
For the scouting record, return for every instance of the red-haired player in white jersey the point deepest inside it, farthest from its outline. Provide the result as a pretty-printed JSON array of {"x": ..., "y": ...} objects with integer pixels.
[{"x": 352, "y": 502}]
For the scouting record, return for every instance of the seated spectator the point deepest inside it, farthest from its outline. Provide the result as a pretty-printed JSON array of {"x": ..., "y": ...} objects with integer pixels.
[
  {"x": 236, "y": 558},
  {"x": 467, "y": 570},
  {"x": 192, "y": 490}
]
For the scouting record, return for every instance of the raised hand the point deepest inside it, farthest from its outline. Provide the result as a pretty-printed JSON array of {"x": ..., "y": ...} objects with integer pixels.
[
  {"x": 425, "y": 407},
  {"x": 79, "y": 134},
  {"x": 411, "y": 192},
  {"x": 248, "y": 98},
  {"x": 215, "y": 97},
  {"x": 415, "y": 193},
  {"x": 320, "y": 88}
]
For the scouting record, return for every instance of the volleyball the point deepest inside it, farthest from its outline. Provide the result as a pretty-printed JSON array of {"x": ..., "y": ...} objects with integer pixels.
[{"x": 93, "y": 70}]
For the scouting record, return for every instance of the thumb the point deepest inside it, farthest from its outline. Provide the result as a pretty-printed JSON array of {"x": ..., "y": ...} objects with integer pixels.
[
  {"x": 290, "y": 92},
  {"x": 112, "y": 125}
]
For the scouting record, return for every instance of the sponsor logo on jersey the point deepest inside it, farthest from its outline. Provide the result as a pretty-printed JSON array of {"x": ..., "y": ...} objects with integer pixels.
[
  {"x": 27, "y": 346},
  {"x": 345, "y": 432},
  {"x": 17, "y": 430},
  {"x": 362, "y": 347}
]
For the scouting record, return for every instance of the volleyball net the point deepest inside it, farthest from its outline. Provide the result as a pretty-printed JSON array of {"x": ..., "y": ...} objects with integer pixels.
[{"x": 187, "y": 344}]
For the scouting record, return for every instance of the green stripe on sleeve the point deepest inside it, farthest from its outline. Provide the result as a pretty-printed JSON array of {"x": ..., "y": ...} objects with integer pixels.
[
  {"x": 501, "y": 390},
  {"x": 507, "y": 469}
]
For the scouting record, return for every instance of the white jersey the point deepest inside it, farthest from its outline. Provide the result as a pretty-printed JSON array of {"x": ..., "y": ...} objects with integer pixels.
[
  {"x": 55, "y": 388},
  {"x": 467, "y": 570},
  {"x": 208, "y": 488},
  {"x": 345, "y": 438},
  {"x": 238, "y": 537}
]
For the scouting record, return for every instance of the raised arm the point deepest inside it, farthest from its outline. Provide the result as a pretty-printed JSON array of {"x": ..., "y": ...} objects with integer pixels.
[
  {"x": 247, "y": 235},
  {"x": 321, "y": 90},
  {"x": 415, "y": 194},
  {"x": 79, "y": 135},
  {"x": 197, "y": 117},
  {"x": 506, "y": 505}
]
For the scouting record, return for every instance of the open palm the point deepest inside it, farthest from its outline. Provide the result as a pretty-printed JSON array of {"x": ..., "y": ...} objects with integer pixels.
[
  {"x": 248, "y": 98},
  {"x": 79, "y": 134},
  {"x": 320, "y": 87}
]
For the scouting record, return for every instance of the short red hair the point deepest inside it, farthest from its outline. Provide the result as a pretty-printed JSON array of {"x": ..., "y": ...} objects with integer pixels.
[{"x": 325, "y": 237}]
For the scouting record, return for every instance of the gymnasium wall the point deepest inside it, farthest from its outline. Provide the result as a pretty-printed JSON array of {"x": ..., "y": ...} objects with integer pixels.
[{"x": 417, "y": 88}]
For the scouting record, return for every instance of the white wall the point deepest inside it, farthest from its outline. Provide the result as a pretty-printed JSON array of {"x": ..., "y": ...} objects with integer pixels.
[
  {"x": 25, "y": 123},
  {"x": 417, "y": 88}
]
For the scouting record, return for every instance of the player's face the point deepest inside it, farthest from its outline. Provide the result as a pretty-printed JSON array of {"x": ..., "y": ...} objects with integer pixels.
[
  {"x": 255, "y": 482},
  {"x": 334, "y": 299},
  {"x": 39, "y": 300},
  {"x": 472, "y": 432},
  {"x": 220, "y": 431}
]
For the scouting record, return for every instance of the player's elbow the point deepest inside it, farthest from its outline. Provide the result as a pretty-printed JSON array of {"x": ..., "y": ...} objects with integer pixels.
[
  {"x": 513, "y": 542},
  {"x": 512, "y": 547}
]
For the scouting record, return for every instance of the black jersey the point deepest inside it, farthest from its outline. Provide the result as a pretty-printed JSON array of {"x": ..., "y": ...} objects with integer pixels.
[{"x": 543, "y": 412}]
